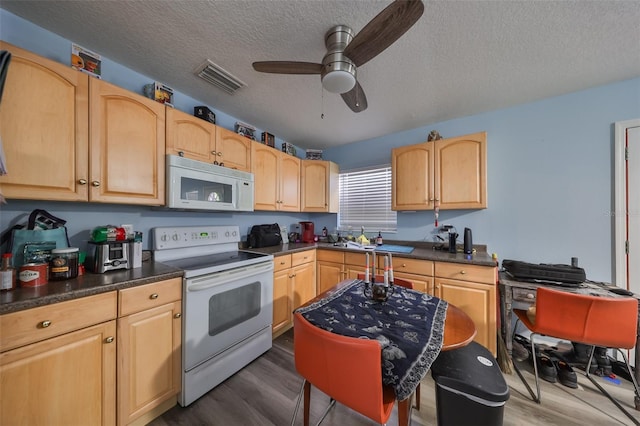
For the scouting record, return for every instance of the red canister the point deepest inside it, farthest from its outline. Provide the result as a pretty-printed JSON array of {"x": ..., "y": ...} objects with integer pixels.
[{"x": 33, "y": 274}]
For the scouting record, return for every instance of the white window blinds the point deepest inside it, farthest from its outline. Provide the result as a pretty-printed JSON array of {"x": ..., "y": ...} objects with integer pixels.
[{"x": 365, "y": 200}]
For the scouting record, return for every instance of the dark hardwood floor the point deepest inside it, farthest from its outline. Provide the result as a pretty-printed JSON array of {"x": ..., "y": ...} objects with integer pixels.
[{"x": 264, "y": 393}]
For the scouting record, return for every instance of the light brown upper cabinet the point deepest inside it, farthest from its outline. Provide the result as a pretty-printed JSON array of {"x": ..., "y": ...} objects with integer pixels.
[
  {"x": 451, "y": 172},
  {"x": 194, "y": 138},
  {"x": 127, "y": 146},
  {"x": 44, "y": 119},
  {"x": 71, "y": 137},
  {"x": 277, "y": 179},
  {"x": 319, "y": 186}
]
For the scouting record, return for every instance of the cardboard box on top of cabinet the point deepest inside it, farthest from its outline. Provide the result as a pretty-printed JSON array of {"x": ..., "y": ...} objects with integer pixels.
[
  {"x": 204, "y": 113},
  {"x": 159, "y": 92}
]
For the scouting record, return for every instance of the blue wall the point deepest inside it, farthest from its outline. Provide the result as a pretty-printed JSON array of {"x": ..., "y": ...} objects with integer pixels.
[{"x": 550, "y": 172}]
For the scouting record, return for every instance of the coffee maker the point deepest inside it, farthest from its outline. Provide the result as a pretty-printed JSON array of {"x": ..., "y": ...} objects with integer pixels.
[{"x": 308, "y": 233}]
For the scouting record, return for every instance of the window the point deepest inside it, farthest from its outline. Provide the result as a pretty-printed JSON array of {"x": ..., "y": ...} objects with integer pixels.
[{"x": 365, "y": 200}]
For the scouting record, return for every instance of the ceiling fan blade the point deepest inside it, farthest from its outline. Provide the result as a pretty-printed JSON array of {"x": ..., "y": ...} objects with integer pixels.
[
  {"x": 383, "y": 30},
  {"x": 287, "y": 67},
  {"x": 355, "y": 98}
]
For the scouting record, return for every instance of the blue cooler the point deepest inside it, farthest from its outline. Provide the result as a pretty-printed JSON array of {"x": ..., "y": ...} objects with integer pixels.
[{"x": 470, "y": 388}]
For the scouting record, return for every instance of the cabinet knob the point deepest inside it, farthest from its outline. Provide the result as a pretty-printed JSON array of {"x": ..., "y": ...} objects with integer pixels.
[
  {"x": 404, "y": 265},
  {"x": 153, "y": 296},
  {"x": 214, "y": 153},
  {"x": 95, "y": 183},
  {"x": 531, "y": 296},
  {"x": 109, "y": 339},
  {"x": 177, "y": 315},
  {"x": 181, "y": 153},
  {"x": 45, "y": 324},
  {"x": 82, "y": 181},
  {"x": 463, "y": 272},
  {"x": 430, "y": 198},
  {"x": 219, "y": 154}
]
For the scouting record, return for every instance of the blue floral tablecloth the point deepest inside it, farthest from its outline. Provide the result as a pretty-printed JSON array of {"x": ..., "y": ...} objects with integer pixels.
[{"x": 409, "y": 326}]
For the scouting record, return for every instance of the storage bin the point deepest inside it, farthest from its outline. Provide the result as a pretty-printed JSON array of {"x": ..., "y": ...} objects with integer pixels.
[{"x": 470, "y": 388}]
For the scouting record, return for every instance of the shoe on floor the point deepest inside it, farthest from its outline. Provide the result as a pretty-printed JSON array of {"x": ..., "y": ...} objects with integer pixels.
[
  {"x": 604, "y": 364},
  {"x": 546, "y": 368},
  {"x": 520, "y": 352},
  {"x": 566, "y": 375}
]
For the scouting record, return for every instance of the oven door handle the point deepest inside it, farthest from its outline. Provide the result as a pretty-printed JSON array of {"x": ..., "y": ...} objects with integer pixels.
[{"x": 224, "y": 277}]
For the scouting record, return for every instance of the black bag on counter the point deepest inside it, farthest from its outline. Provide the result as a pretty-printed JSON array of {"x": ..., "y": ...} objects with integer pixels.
[
  {"x": 553, "y": 274},
  {"x": 264, "y": 236}
]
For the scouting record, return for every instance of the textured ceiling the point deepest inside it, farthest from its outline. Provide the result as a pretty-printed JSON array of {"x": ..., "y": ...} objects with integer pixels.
[{"x": 461, "y": 58}]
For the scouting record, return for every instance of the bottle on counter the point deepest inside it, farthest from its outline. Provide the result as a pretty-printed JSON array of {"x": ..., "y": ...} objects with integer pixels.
[
  {"x": 324, "y": 232},
  {"x": 7, "y": 273},
  {"x": 379, "y": 239}
]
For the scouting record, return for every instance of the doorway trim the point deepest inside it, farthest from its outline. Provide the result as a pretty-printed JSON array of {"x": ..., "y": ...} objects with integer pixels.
[{"x": 620, "y": 190}]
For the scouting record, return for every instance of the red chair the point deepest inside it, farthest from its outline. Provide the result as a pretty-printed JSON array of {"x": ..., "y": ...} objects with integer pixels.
[
  {"x": 593, "y": 320},
  {"x": 406, "y": 284},
  {"x": 348, "y": 370}
]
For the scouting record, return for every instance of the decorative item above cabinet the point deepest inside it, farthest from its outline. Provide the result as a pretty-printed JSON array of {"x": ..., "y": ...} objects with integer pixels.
[{"x": 446, "y": 173}]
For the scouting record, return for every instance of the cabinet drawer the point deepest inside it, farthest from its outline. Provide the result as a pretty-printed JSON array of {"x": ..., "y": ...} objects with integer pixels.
[
  {"x": 301, "y": 257},
  {"x": 33, "y": 325},
  {"x": 148, "y": 296},
  {"x": 412, "y": 266},
  {"x": 281, "y": 262},
  {"x": 465, "y": 272},
  {"x": 524, "y": 295},
  {"x": 334, "y": 256},
  {"x": 357, "y": 259}
]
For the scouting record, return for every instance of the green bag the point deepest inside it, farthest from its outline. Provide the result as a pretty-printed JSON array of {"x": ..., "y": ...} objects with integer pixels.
[{"x": 36, "y": 239}]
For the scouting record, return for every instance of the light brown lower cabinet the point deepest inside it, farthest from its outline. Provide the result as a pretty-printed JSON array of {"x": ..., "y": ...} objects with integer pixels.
[
  {"x": 471, "y": 288},
  {"x": 58, "y": 363},
  {"x": 149, "y": 350},
  {"x": 294, "y": 284},
  {"x": 74, "y": 363}
]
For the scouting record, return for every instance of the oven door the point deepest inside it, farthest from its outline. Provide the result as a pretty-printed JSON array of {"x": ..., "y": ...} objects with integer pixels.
[{"x": 225, "y": 308}]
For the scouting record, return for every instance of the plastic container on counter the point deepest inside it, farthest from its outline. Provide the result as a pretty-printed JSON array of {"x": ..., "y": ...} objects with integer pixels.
[{"x": 64, "y": 263}]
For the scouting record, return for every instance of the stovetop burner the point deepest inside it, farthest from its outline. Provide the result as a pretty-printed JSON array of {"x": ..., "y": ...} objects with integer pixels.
[
  {"x": 217, "y": 262},
  {"x": 201, "y": 250}
]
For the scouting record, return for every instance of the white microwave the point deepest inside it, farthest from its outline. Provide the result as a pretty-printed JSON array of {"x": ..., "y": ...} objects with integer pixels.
[{"x": 195, "y": 185}]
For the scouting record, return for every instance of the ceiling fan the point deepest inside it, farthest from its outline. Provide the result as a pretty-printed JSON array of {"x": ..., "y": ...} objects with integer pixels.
[{"x": 346, "y": 51}]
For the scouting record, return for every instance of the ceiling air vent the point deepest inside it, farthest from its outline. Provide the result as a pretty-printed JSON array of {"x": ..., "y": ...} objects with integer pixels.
[{"x": 217, "y": 76}]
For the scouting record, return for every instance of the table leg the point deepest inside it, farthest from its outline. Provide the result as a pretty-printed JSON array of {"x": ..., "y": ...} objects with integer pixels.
[{"x": 404, "y": 407}]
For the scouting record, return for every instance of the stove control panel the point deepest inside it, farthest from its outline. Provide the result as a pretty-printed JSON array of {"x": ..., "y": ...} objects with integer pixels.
[{"x": 192, "y": 236}]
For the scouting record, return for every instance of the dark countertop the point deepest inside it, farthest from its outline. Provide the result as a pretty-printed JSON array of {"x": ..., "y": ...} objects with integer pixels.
[
  {"x": 85, "y": 285},
  {"x": 422, "y": 251},
  {"x": 90, "y": 284}
]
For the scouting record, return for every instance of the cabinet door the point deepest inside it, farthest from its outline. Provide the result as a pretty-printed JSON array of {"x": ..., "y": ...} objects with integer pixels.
[
  {"x": 127, "y": 135},
  {"x": 461, "y": 172},
  {"x": 281, "y": 300},
  {"x": 304, "y": 284},
  {"x": 328, "y": 275},
  {"x": 264, "y": 166},
  {"x": 420, "y": 282},
  {"x": 412, "y": 177},
  {"x": 289, "y": 183},
  {"x": 44, "y": 121},
  {"x": 190, "y": 136},
  {"x": 315, "y": 186},
  {"x": 149, "y": 360},
  {"x": 66, "y": 380},
  {"x": 233, "y": 150},
  {"x": 476, "y": 300}
]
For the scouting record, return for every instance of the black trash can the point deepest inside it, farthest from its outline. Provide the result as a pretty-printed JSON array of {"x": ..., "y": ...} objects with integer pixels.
[{"x": 470, "y": 388}]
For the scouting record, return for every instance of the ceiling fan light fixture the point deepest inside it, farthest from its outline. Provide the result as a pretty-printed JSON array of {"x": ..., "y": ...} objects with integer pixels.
[{"x": 339, "y": 81}]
